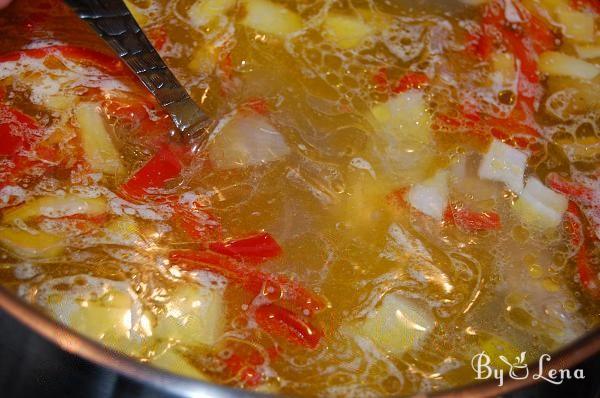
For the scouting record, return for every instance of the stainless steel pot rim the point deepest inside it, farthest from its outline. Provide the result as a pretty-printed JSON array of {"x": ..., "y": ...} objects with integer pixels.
[{"x": 74, "y": 343}]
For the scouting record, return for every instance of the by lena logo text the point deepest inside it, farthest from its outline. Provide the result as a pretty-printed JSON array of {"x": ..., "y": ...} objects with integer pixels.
[{"x": 518, "y": 369}]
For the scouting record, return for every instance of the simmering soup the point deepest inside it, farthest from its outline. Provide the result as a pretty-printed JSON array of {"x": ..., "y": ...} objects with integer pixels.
[{"x": 392, "y": 188}]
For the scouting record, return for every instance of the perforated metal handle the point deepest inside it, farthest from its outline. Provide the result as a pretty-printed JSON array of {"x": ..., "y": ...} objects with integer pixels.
[{"x": 114, "y": 23}]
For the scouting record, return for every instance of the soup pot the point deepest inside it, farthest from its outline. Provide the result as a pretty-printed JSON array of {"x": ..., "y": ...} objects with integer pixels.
[{"x": 42, "y": 358}]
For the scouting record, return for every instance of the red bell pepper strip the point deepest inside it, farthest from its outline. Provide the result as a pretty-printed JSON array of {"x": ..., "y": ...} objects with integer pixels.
[
  {"x": 472, "y": 221},
  {"x": 381, "y": 81},
  {"x": 107, "y": 63},
  {"x": 254, "y": 249},
  {"x": 574, "y": 191},
  {"x": 163, "y": 167},
  {"x": 581, "y": 238},
  {"x": 411, "y": 80},
  {"x": 252, "y": 280},
  {"x": 158, "y": 37},
  {"x": 282, "y": 322}
]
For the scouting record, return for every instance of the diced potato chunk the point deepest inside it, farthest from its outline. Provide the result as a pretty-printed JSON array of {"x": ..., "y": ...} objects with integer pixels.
[
  {"x": 405, "y": 116},
  {"x": 124, "y": 230},
  {"x": 31, "y": 245},
  {"x": 505, "y": 164},
  {"x": 577, "y": 25},
  {"x": 268, "y": 17},
  {"x": 540, "y": 206},
  {"x": 56, "y": 207},
  {"x": 346, "y": 31},
  {"x": 60, "y": 102},
  {"x": 138, "y": 15},
  {"x": 204, "y": 12},
  {"x": 398, "y": 324},
  {"x": 194, "y": 315},
  {"x": 431, "y": 196},
  {"x": 557, "y": 64},
  {"x": 505, "y": 71},
  {"x": 99, "y": 149},
  {"x": 171, "y": 360},
  {"x": 588, "y": 51},
  {"x": 204, "y": 60},
  {"x": 107, "y": 319},
  {"x": 246, "y": 141}
]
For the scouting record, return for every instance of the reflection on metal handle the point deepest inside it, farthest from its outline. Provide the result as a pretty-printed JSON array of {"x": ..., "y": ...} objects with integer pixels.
[{"x": 114, "y": 23}]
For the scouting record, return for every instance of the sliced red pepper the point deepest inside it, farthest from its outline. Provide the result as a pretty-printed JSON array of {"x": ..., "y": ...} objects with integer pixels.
[
  {"x": 107, "y": 63},
  {"x": 411, "y": 80},
  {"x": 381, "y": 81},
  {"x": 472, "y": 221},
  {"x": 254, "y": 249},
  {"x": 258, "y": 105},
  {"x": 252, "y": 280},
  {"x": 282, "y": 322},
  {"x": 587, "y": 274},
  {"x": 158, "y": 37},
  {"x": 574, "y": 191},
  {"x": 163, "y": 167}
]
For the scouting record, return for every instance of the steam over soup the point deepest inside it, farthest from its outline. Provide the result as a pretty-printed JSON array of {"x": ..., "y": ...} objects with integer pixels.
[{"x": 393, "y": 187}]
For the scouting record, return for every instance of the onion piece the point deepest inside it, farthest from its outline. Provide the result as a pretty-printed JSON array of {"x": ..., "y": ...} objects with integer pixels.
[
  {"x": 505, "y": 164},
  {"x": 246, "y": 141},
  {"x": 431, "y": 196},
  {"x": 539, "y": 206}
]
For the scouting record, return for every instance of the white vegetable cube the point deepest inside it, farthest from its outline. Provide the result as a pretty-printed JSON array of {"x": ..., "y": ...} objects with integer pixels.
[
  {"x": 557, "y": 64},
  {"x": 204, "y": 12},
  {"x": 398, "y": 324},
  {"x": 577, "y": 25},
  {"x": 193, "y": 315},
  {"x": 431, "y": 196},
  {"x": 505, "y": 164},
  {"x": 539, "y": 206},
  {"x": 268, "y": 17},
  {"x": 346, "y": 31},
  {"x": 98, "y": 147},
  {"x": 246, "y": 141},
  {"x": 405, "y": 116}
]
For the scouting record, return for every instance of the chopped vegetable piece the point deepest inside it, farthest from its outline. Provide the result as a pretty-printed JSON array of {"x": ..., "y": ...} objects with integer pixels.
[
  {"x": 397, "y": 325},
  {"x": 472, "y": 220},
  {"x": 36, "y": 244},
  {"x": 99, "y": 149},
  {"x": 171, "y": 360},
  {"x": 577, "y": 25},
  {"x": 193, "y": 315},
  {"x": 504, "y": 164},
  {"x": 540, "y": 206},
  {"x": 588, "y": 51},
  {"x": 56, "y": 207},
  {"x": 346, "y": 31},
  {"x": 163, "y": 167},
  {"x": 268, "y": 17},
  {"x": 246, "y": 140},
  {"x": 410, "y": 81},
  {"x": 254, "y": 281},
  {"x": 431, "y": 196},
  {"x": 255, "y": 249},
  {"x": 557, "y": 64},
  {"x": 205, "y": 12},
  {"x": 281, "y": 322},
  {"x": 405, "y": 116}
]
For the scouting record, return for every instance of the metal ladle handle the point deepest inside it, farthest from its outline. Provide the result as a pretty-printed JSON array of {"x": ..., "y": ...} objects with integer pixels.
[{"x": 113, "y": 22}]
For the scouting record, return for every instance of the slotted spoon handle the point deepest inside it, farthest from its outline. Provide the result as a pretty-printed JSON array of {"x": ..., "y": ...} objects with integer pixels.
[{"x": 113, "y": 22}]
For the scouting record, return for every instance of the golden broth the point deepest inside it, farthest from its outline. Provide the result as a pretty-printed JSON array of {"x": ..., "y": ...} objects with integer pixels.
[{"x": 340, "y": 193}]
